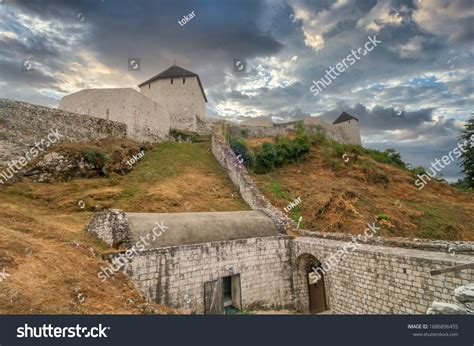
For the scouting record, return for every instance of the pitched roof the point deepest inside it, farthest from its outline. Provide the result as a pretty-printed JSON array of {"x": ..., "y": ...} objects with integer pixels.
[
  {"x": 344, "y": 117},
  {"x": 175, "y": 72}
]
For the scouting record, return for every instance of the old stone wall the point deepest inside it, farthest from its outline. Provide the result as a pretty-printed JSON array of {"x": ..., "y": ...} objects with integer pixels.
[
  {"x": 242, "y": 180},
  {"x": 344, "y": 132},
  {"x": 21, "y": 124},
  {"x": 380, "y": 280},
  {"x": 176, "y": 275},
  {"x": 146, "y": 120}
]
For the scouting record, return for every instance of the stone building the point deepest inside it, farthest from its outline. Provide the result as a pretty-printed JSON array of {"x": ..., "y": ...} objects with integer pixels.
[
  {"x": 173, "y": 99},
  {"x": 349, "y": 126},
  {"x": 181, "y": 93}
]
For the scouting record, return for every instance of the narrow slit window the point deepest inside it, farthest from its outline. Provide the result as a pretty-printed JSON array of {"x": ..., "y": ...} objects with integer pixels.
[
  {"x": 184, "y": 80},
  {"x": 171, "y": 80}
]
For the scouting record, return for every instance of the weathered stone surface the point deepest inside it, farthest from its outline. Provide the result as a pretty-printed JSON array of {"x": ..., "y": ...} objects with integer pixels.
[
  {"x": 23, "y": 124},
  {"x": 247, "y": 187},
  {"x": 465, "y": 294},
  {"x": 111, "y": 226},
  {"x": 438, "y": 308}
]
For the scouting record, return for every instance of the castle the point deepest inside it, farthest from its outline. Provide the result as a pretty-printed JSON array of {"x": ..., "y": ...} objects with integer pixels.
[{"x": 175, "y": 99}]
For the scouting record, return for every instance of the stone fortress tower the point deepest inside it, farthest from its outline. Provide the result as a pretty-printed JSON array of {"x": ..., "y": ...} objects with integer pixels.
[
  {"x": 173, "y": 99},
  {"x": 181, "y": 93},
  {"x": 350, "y": 126}
]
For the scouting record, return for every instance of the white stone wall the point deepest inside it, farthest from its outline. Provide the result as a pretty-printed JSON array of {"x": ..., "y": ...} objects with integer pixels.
[
  {"x": 183, "y": 101},
  {"x": 176, "y": 275},
  {"x": 382, "y": 280},
  {"x": 146, "y": 120},
  {"x": 350, "y": 131}
]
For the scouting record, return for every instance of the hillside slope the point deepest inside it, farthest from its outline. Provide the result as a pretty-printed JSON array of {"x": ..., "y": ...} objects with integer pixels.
[
  {"x": 52, "y": 264},
  {"x": 341, "y": 193}
]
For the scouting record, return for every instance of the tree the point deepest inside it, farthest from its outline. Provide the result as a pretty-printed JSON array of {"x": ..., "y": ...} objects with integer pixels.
[{"x": 467, "y": 157}]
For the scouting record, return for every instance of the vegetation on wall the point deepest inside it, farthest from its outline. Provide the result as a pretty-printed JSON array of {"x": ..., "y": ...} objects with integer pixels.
[{"x": 269, "y": 156}]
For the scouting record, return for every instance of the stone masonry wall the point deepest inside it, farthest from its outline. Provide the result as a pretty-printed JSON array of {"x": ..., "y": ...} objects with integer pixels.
[
  {"x": 382, "y": 280},
  {"x": 242, "y": 180},
  {"x": 21, "y": 124},
  {"x": 175, "y": 276}
]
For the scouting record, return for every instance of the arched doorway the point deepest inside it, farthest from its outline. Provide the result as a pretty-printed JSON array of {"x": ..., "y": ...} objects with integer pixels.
[{"x": 310, "y": 294}]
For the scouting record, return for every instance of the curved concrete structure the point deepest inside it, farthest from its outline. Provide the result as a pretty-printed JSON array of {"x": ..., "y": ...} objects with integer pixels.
[
  {"x": 157, "y": 230},
  {"x": 195, "y": 228}
]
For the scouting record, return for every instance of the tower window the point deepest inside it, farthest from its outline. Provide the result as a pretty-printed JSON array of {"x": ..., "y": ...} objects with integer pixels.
[
  {"x": 171, "y": 80},
  {"x": 149, "y": 85},
  {"x": 184, "y": 80}
]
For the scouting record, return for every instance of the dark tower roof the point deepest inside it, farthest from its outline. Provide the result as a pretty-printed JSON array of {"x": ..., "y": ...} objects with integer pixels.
[
  {"x": 175, "y": 72},
  {"x": 344, "y": 117}
]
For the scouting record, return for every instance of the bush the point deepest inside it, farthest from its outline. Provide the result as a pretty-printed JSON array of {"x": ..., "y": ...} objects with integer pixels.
[
  {"x": 239, "y": 147},
  {"x": 383, "y": 217},
  {"x": 265, "y": 158},
  {"x": 419, "y": 170},
  {"x": 389, "y": 156},
  {"x": 96, "y": 158},
  {"x": 318, "y": 137}
]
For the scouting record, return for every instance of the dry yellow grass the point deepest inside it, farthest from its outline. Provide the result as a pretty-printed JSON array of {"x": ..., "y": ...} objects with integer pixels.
[{"x": 52, "y": 264}]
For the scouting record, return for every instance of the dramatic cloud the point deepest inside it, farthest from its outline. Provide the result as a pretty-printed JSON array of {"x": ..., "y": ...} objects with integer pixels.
[{"x": 413, "y": 92}]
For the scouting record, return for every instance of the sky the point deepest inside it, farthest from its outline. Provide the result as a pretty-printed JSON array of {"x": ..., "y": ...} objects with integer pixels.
[{"x": 412, "y": 92}]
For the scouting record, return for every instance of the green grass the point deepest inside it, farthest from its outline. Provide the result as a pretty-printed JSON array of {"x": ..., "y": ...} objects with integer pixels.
[
  {"x": 276, "y": 188},
  {"x": 438, "y": 222}
]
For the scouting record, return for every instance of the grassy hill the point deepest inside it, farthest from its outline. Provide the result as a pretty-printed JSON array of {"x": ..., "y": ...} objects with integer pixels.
[
  {"x": 52, "y": 264},
  {"x": 342, "y": 187}
]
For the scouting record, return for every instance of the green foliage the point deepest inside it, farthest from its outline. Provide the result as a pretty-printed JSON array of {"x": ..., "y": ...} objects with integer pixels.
[
  {"x": 265, "y": 158},
  {"x": 244, "y": 133},
  {"x": 277, "y": 190},
  {"x": 463, "y": 184},
  {"x": 239, "y": 147},
  {"x": 283, "y": 151},
  {"x": 383, "y": 217},
  {"x": 419, "y": 170},
  {"x": 467, "y": 157},
  {"x": 95, "y": 157},
  {"x": 389, "y": 156},
  {"x": 318, "y": 137}
]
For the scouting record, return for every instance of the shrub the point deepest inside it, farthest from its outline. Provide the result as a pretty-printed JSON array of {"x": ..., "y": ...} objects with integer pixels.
[
  {"x": 265, "y": 158},
  {"x": 244, "y": 133},
  {"x": 95, "y": 157},
  {"x": 419, "y": 170},
  {"x": 383, "y": 217},
  {"x": 318, "y": 137},
  {"x": 389, "y": 156},
  {"x": 239, "y": 147}
]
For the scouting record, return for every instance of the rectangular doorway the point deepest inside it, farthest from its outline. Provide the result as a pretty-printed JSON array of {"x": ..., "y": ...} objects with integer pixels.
[
  {"x": 223, "y": 296},
  {"x": 317, "y": 297}
]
